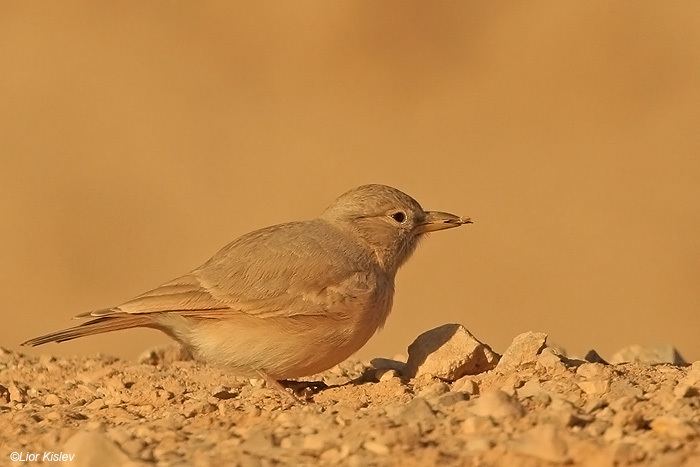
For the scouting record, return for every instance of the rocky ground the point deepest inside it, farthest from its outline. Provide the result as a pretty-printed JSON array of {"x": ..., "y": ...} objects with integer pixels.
[{"x": 454, "y": 402}]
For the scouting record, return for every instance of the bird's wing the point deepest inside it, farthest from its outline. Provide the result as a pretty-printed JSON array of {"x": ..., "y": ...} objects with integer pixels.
[{"x": 291, "y": 269}]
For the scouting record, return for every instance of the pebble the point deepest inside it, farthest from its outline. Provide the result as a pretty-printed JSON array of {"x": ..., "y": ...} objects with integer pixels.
[
  {"x": 433, "y": 390},
  {"x": 674, "y": 427},
  {"x": 385, "y": 374},
  {"x": 376, "y": 448},
  {"x": 466, "y": 384},
  {"x": 93, "y": 449},
  {"x": 477, "y": 424},
  {"x": 451, "y": 398},
  {"x": 524, "y": 349},
  {"x": 648, "y": 354},
  {"x": 543, "y": 442},
  {"x": 448, "y": 352},
  {"x": 498, "y": 405},
  {"x": 417, "y": 409}
]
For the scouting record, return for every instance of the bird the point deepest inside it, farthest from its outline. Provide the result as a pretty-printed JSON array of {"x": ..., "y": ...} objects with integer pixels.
[{"x": 289, "y": 300}]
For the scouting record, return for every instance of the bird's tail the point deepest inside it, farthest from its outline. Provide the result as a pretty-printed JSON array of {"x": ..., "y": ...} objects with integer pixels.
[{"x": 95, "y": 326}]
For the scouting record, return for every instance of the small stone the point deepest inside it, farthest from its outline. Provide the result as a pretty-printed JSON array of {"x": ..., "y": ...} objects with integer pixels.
[
  {"x": 448, "y": 352},
  {"x": 594, "y": 387},
  {"x": 92, "y": 449},
  {"x": 689, "y": 386},
  {"x": 531, "y": 388},
  {"x": 549, "y": 359},
  {"x": 434, "y": 390},
  {"x": 543, "y": 442},
  {"x": 498, "y": 405},
  {"x": 451, "y": 398},
  {"x": 478, "y": 444},
  {"x": 477, "y": 424},
  {"x": 314, "y": 443},
  {"x": 16, "y": 393},
  {"x": 52, "y": 399},
  {"x": 416, "y": 410},
  {"x": 259, "y": 442},
  {"x": 593, "y": 371},
  {"x": 465, "y": 384},
  {"x": 613, "y": 433},
  {"x": 673, "y": 427},
  {"x": 524, "y": 349},
  {"x": 648, "y": 354},
  {"x": 376, "y": 448},
  {"x": 385, "y": 374},
  {"x": 335, "y": 454},
  {"x": 685, "y": 390},
  {"x": 286, "y": 443},
  {"x": 97, "y": 404}
]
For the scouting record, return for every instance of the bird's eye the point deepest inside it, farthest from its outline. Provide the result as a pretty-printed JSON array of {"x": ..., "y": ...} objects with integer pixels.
[{"x": 399, "y": 216}]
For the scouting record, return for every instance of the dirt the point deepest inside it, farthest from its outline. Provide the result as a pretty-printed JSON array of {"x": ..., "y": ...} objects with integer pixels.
[{"x": 536, "y": 407}]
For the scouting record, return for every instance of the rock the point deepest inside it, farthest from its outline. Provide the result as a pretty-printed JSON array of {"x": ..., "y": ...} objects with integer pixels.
[
  {"x": 524, "y": 349},
  {"x": 17, "y": 393},
  {"x": 548, "y": 358},
  {"x": 593, "y": 371},
  {"x": 673, "y": 427},
  {"x": 434, "y": 390},
  {"x": 376, "y": 448},
  {"x": 465, "y": 384},
  {"x": 595, "y": 387},
  {"x": 416, "y": 410},
  {"x": 689, "y": 386},
  {"x": 498, "y": 405},
  {"x": 93, "y": 450},
  {"x": 596, "y": 378},
  {"x": 477, "y": 424},
  {"x": 385, "y": 374},
  {"x": 531, "y": 388},
  {"x": 52, "y": 399},
  {"x": 543, "y": 442},
  {"x": 478, "y": 444},
  {"x": 648, "y": 354},
  {"x": 314, "y": 443},
  {"x": 97, "y": 404},
  {"x": 448, "y": 352},
  {"x": 451, "y": 398}
]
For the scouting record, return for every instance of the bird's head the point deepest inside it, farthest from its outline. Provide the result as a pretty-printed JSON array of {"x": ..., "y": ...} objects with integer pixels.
[{"x": 388, "y": 221}]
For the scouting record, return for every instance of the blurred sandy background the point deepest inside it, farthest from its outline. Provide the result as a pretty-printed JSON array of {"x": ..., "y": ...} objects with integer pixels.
[{"x": 137, "y": 138}]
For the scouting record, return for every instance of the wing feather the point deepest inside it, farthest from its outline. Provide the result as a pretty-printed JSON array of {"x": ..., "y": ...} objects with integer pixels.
[{"x": 301, "y": 268}]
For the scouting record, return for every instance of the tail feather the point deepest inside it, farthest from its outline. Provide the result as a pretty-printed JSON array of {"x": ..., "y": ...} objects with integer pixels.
[{"x": 95, "y": 326}]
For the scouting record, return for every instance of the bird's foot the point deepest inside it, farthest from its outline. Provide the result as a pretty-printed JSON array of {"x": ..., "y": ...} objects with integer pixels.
[{"x": 301, "y": 391}]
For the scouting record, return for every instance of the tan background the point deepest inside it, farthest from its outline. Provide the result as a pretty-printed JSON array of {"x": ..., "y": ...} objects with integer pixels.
[{"x": 139, "y": 137}]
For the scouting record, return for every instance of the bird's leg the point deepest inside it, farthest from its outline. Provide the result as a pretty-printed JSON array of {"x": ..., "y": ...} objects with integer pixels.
[{"x": 272, "y": 383}]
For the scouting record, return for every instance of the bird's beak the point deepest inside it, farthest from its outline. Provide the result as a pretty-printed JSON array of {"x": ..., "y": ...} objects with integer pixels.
[{"x": 435, "y": 220}]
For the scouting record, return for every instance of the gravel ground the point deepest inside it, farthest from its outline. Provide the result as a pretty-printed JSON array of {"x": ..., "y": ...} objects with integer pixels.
[{"x": 455, "y": 402}]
